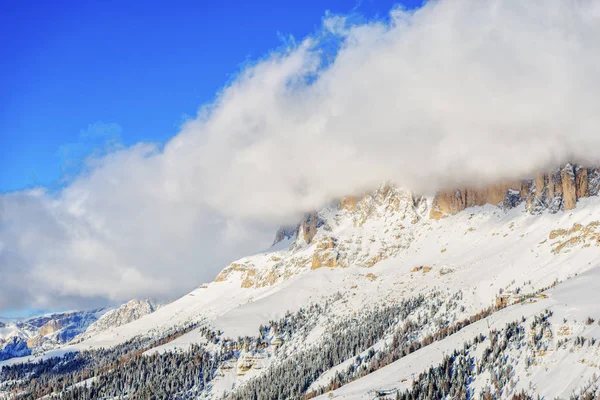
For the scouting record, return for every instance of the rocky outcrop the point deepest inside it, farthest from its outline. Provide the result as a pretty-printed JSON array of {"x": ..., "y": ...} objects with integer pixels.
[
  {"x": 449, "y": 202},
  {"x": 250, "y": 276},
  {"x": 562, "y": 188},
  {"x": 325, "y": 254},
  {"x": 249, "y": 279},
  {"x": 388, "y": 210},
  {"x": 13, "y": 347},
  {"x": 581, "y": 182},
  {"x": 233, "y": 267},
  {"x": 57, "y": 329},
  {"x": 387, "y": 200},
  {"x": 308, "y": 227},
  {"x": 126, "y": 313},
  {"x": 578, "y": 235},
  {"x": 285, "y": 233},
  {"x": 50, "y": 327},
  {"x": 553, "y": 191},
  {"x": 35, "y": 342},
  {"x": 569, "y": 189}
]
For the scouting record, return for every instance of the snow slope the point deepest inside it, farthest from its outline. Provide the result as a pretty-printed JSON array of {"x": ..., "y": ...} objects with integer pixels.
[{"x": 554, "y": 374}]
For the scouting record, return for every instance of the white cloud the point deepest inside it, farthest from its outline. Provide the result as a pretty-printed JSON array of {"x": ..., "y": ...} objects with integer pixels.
[{"x": 460, "y": 92}]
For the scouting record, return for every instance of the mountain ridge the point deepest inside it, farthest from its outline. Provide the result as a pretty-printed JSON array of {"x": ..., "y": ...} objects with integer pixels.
[
  {"x": 31, "y": 336},
  {"x": 556, "y": 190}
]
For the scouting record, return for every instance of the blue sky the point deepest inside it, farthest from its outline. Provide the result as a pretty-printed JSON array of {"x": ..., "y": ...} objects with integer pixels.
[{"x": 79, "y": 77}]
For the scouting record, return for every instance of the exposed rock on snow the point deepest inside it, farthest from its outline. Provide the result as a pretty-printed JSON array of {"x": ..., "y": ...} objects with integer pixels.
[{"x": 554, "y": 191}]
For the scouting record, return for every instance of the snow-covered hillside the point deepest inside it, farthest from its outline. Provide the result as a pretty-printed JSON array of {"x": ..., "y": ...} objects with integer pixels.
[
  {"x": 558, "y": 358},
  {"x": 407, "y": 280}
]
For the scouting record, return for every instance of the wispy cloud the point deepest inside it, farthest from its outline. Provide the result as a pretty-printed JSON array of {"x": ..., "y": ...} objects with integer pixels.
[{"x": 458, "y": 92}]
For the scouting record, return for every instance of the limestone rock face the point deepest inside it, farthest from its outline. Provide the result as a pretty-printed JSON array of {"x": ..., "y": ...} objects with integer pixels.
[
  {"x": 581, "y": 182},
  {"x": 252, "y": 277},
  {"x": 249, "y": 279},
  {"x": 285, "y": 233},
  {"x": 555, "y": 187},
  {"x": 569, "y": 188},
  {"x": 325, "y": 254},
  {"x": 308, "y": 227},
  {"x": 540, "y": 186},
  {"x": 50, "y": 327},
  {"x": 35, "y": 342},
  {"x": 233, "y": 267},
  {"x": 553, "y": 191},
  {"x": 449, "y": 202},
  {"x": 593, "y": 181}
]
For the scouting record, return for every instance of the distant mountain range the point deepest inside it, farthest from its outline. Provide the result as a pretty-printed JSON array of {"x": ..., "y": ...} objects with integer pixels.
[{"x": 31, "y": 336}]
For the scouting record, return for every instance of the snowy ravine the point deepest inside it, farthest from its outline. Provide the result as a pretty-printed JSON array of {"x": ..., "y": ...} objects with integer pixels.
[{"x": 374, "y": 292}]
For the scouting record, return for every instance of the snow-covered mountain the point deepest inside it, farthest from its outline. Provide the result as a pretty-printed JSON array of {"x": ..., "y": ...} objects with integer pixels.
[
  {"x": 124, "y": 314},
  {"x": 386, "y": 292},
  {"x": 24, "y": 337}
]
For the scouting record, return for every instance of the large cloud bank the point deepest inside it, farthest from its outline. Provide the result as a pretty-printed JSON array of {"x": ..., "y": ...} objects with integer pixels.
[{"x": 458, "y": 92}]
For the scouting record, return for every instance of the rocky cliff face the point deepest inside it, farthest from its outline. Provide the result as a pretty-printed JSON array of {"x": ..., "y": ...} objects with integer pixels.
[
  {"x": 325, "y": 254},
  {"x": 553, "y": 191},
  {"x": 448, "y": 202},
  {"x": 305, "y": 230},
  {"x": 308, "y": 227},
  {"x": 61, "y": 328},
  {"x": 285, "y": 233},
  {"x": 51, "y": 327},
  {"x": 13, "y": 347}
]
